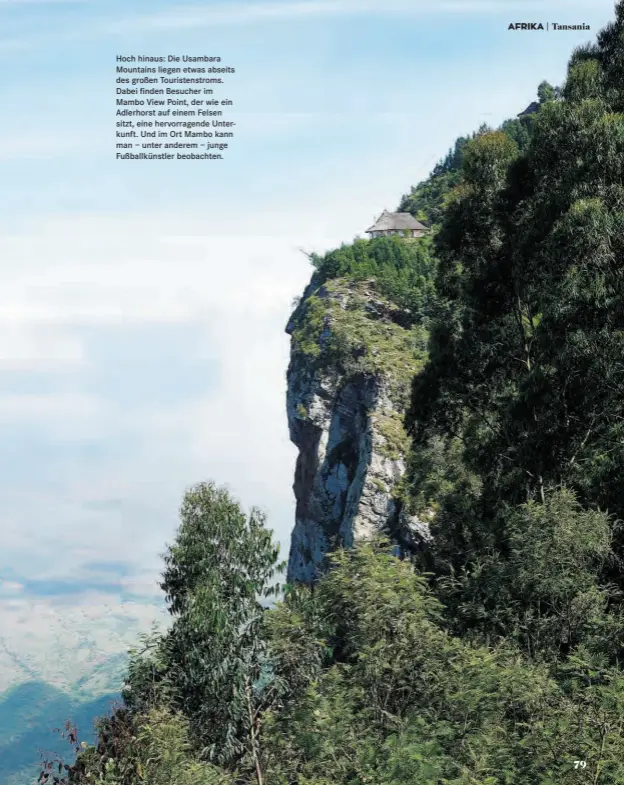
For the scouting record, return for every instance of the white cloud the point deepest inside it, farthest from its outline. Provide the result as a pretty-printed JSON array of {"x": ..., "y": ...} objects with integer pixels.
[
  {"x": 51, "y": 143},
  {"x": 232, "y": 281},
  {"x": 110, "y": 272},
  {"x": 10, "y": 587},
  {"x": 25, "y": 347},
  {"x": 47, "y": 409}
]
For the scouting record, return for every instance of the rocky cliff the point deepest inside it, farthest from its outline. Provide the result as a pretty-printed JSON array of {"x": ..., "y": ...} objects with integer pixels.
[{"x": 353, "y": 356}]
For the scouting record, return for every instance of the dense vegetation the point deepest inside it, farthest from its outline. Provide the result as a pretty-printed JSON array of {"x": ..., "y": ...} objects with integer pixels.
[
  {"x": 357, "y": 680},
  {"x": 523, "y": 393},
  {"x": 404, "y": 270},
  {"x": 494, "y": 656}
]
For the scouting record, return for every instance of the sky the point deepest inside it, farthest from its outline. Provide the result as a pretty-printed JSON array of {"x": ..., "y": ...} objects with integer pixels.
[{"x": 143, "y": 303}]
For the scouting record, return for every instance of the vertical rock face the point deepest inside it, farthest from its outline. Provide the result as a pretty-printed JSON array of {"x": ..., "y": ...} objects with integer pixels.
[{"x": 353, "y": 357}]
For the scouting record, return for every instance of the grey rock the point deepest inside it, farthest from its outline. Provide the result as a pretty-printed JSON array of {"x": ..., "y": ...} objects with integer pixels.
[{"x": 345, "y": 474}]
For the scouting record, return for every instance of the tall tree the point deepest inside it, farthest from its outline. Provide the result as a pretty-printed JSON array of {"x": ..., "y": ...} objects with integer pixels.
[{"x": 219, "y": 574}]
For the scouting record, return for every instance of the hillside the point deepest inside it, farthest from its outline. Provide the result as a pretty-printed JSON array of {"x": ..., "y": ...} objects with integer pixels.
[
  {"x": 26, "y": 730},
  {"x": 90, "y": 638},
  {"x": 454, "y": 609}
]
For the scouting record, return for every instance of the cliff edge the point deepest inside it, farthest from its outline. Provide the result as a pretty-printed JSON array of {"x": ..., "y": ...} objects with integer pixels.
[{"x": 353, "y": 356}]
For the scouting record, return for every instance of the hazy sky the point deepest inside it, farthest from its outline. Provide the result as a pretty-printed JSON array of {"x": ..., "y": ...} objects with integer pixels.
[{"x": 143, "y": 304}]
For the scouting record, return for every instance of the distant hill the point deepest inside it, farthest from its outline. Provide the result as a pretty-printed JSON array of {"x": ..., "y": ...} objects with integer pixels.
[
  {"x": 61, "y": 659},
  {"x": 29, "y": 712}
]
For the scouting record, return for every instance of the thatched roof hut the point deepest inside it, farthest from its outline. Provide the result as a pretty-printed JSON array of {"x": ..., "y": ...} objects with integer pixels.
[{"x": 396, "y": 223}]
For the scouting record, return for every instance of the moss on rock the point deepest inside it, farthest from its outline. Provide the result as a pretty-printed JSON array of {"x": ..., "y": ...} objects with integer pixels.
[
  {"x": 396, "y": 441},
  {"x": 347, "y": 325}
]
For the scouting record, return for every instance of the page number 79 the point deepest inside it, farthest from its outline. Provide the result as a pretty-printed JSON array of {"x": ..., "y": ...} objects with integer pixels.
[{"x": 580, "y": 764}]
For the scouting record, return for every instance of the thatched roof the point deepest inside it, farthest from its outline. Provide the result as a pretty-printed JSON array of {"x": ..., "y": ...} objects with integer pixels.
[
  {"x": 531, "y": 109},
  {"x": 389, "y": 221}
]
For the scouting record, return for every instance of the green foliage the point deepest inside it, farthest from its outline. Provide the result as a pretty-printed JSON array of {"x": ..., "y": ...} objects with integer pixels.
[
  {"x": 546, "y": 92},
  {"x": 306, "y": 338},
  {"x": 426, "y": 201},
  {"x": 209, "y": 664},
  {"x": 157, "y": 751},
  {"x": 367, "y": 686},
  {"x": 521, "y": 397},
  {"x": 524, "y": 354},
  {"x": 165, "y": 753},
  {"x": 401, "y": 701},
  {"x": 364, "y": 342},
  {"x": 519, "y": 131},
  {"x": 537, "y": 579},
  {"x": 403, "y": 270}
]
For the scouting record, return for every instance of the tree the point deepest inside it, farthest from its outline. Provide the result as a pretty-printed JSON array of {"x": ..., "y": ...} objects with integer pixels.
[
  {"x": 397, "y": 700},
  {"x": 218, "y": 574},
  {"x": 404, "y": 271},
  {"x": 546, "y": 92},
  {"x": 528, "y": 348},
  {"x": 525, "y": 369}
]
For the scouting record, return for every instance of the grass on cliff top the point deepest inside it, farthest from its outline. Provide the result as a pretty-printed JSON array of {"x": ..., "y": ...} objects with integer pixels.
[{"x": 356, "y": 341}]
